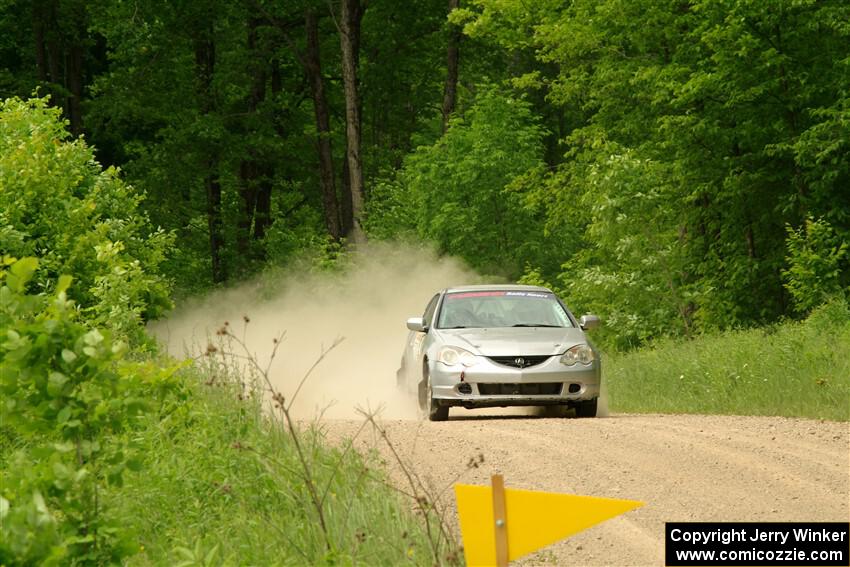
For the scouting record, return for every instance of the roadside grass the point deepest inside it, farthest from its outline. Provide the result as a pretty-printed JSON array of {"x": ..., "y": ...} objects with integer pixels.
[
  {"x": 794, "y": 369},
  {"x": 223, "y": 485}
]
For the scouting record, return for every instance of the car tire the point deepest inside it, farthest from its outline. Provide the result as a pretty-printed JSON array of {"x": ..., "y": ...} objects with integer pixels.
[
  {"x": 437, "y": 412},
  {"x": 560, "y": 410},
  {"x": 432, "y": 407},
  {"x": 586, "y": 408}
]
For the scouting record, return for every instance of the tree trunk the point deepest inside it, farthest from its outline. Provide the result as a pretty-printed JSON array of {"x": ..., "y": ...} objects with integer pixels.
[
  {"x": 214, "y": 222},
  {"x": 248, "y": 197},
  {"x": 263, "y": 214},
  {"x": 54, "y": 51},
  {"x": 313, "y": 66},
  {"x": 345, "y": 205},
  {"x": 60, "y": 57},
  {"x": 452, "y": 62},
  {"x": 751, "y": 241},
  {"x": 349, "y": 40},
  {"x": 38, "y": 37},
  {"x": 205, "y": 67},
  {"x": 74, "y": 75},
  {"x": 250, "y": 168}
]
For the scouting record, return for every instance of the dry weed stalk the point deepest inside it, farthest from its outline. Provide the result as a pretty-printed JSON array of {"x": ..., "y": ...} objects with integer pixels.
[{"x": 428, "y": 502}]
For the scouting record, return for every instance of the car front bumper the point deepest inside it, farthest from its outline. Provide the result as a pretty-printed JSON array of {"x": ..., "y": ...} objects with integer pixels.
[{"x": 488, "y": 384}]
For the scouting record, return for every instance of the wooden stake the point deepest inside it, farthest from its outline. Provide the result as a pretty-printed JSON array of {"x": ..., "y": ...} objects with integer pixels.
[{"x": 501, "y": 520}]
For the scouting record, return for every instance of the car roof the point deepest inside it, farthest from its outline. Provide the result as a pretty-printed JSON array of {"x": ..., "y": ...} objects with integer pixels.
[{"x": 497, "y": 287}]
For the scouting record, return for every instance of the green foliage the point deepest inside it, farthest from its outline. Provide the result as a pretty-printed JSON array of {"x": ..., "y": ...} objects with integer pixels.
[
  {"x": 691, "y": 137},
  {"x": 630, "y": 270},
  {"x": 817, "y": 258},
  {"x": 69, "y": 396},
  {"x": 225, "y": 482},
  {"x": 458, "y": 188},
  {"x": 58, "y": 204},
  {"x": 795, "y": 369},
  {"x": 645, "y": 156}
]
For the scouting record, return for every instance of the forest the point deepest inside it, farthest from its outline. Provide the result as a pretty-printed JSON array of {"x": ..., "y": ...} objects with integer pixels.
[
  {"x": 678, "y": 167},
  {"x": 675, "y": 166}
]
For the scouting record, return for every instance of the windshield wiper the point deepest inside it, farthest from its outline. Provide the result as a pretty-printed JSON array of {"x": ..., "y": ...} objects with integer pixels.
[
  {"x": 534, "y": 325},
  {"x": 456, "y": 327}
]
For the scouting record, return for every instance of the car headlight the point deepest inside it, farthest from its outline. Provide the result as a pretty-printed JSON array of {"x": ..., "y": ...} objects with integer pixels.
[
  {"x": 450, "y": 356},
  {"x": 579, "y": 353}
]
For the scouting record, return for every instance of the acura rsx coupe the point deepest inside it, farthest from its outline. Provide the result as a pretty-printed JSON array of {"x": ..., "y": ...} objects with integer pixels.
[{"x": 499, "y": 346}]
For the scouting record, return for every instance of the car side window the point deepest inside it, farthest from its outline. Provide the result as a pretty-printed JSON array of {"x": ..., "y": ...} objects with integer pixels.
[{"x": 429, "y": 311}]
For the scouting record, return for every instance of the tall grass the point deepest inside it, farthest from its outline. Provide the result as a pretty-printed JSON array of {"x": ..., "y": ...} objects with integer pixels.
[
  {"x": 790, "y": 369},
  {"x": 224, "y": 484}
]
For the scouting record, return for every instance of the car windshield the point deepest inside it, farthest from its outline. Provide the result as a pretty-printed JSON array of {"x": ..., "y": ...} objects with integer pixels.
[{"x": 479, "y": 309}]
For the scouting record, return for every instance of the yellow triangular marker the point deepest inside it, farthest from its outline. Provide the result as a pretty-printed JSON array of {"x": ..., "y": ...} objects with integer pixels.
[{"x": 534, "y": 519}]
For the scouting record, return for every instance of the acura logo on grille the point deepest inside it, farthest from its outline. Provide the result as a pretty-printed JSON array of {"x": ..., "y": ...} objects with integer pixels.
[{"x": 519, "y": 361}]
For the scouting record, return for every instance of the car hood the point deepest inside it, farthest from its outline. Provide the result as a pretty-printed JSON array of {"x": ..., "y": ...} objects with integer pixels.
[{"x": 511, "y": 341}]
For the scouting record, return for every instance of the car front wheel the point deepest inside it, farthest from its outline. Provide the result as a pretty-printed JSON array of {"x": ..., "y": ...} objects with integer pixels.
[
  {"x": 432, "y": 407},
  {"x": 586, "y": 408}
]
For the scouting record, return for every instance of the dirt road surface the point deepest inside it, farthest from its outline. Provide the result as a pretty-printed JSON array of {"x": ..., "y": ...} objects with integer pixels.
[{"x": 685, "y": 467}]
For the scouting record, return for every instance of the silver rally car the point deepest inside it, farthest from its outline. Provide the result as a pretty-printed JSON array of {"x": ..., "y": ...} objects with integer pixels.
[{"x": 500, "y": 345}]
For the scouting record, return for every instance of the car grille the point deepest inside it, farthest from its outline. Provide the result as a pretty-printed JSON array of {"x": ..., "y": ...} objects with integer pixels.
[
  {"x": 531, "y": 389},
  {"x": 519, "y": 361}
]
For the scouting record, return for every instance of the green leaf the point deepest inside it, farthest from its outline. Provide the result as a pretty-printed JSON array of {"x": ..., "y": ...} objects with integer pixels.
[
  {"x": 68, "y": 355},
  {"x": 56, "y": 383},
  {"x": 21, "y": 273},
  {"x": 67, "y": 446},
  {"x": 185, "y": 553},
  {"x": 63, "y": 415},
  {"x": 93, "y": 338},
  {"x": 115, "y": 475},
  {"x": 38, "y": 502},
  {"x": 211, "y": 555},
  {"x": 61, "y": 471},
  {"x": 64, "y": 283}
]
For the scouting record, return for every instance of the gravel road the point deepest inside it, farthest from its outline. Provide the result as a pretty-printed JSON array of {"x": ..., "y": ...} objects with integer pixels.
[{"x": 685, "y": 467}]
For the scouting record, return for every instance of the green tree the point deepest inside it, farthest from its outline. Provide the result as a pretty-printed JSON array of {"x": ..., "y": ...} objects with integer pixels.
[
  {"x": 459, "y": 188},
  {"x": 57, "y": 202},
  {"x": 734, "y": 114}
]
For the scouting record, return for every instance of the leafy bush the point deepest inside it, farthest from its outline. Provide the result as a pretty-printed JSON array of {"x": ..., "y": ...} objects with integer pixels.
[
  {"x": 816, "y": 255},
  {"x": 57, "y": 203},
  {"x": 67, "y": 396}
]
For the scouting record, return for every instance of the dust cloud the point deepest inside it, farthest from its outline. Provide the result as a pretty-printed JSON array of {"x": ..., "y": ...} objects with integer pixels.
[{"x": 366, "y": 306}]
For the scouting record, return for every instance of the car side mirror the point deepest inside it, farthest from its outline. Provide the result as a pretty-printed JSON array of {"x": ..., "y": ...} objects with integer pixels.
[
  {"x": 417, "y": 324},
  {"x": 590, "y": 321}
]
